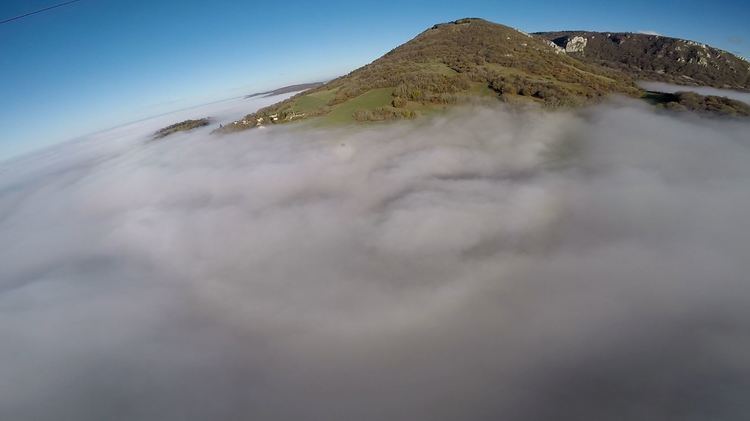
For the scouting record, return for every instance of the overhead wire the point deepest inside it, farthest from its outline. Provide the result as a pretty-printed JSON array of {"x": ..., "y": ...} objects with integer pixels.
[{"x": 39, "y": 11}]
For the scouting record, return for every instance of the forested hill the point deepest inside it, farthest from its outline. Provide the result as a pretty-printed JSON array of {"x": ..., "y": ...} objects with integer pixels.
[
  {"x": 655, "y": 57},
  {"x": 470, "y": 59},
  {"x": 448, "y": 64}
]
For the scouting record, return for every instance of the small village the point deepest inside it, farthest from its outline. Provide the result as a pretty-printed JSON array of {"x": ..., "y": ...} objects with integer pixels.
[{"x": 275, "y": 118}]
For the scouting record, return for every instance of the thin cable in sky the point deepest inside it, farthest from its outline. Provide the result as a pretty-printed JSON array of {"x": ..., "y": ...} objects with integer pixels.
[{"x": 39, "y": 11}]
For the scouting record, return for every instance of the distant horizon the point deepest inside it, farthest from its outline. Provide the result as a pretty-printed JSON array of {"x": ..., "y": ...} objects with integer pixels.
[
  {"x": 82, "y": 136},
  {"x": 91, "y": 66}
]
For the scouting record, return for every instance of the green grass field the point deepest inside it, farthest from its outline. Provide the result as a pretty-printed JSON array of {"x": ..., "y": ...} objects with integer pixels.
[
  {"x": 482, "y": 90},
  {"x": 313, "y": 101},
  {"x": 343, "y": 113}
]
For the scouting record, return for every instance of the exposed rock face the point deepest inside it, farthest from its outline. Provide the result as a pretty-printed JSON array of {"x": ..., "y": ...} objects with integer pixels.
[
  {"x": 556, "y": 47},
  {"x": 576, "y": 45}
]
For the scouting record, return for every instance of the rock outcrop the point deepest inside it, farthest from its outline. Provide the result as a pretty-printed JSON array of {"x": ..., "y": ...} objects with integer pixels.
[{"x": 576, "y": 44}]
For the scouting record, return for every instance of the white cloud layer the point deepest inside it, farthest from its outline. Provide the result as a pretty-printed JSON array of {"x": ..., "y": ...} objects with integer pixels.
[{"x": 485, "y": 265}]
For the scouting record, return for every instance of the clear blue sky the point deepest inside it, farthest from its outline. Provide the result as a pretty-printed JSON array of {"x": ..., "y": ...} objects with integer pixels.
[{"x": 100, "y": 63}]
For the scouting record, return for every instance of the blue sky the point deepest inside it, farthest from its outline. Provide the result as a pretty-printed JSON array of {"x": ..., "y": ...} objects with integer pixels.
[{"x": 99, "y": 63}]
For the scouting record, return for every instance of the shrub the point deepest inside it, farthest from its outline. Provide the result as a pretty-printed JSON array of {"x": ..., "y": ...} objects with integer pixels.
[{"x": 399, "y": 102}]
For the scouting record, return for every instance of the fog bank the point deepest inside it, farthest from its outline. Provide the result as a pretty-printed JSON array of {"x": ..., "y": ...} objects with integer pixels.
[{"x": 488, "y": 264}]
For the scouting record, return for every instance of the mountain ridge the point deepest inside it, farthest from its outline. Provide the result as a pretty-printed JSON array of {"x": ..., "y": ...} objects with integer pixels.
[
  {"x": 656, "y": 57},
  {"x": 285, "y": 89},
  {"x": 473, "y": 59}
]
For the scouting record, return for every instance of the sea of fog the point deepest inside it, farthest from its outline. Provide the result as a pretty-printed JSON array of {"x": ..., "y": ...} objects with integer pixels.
[{"x": 481, "y": 265}]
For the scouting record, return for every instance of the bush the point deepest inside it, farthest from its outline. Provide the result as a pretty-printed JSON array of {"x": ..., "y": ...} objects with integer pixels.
[
  {"x": 399, "y": 102},
  {"x": 384, "y": 113}
]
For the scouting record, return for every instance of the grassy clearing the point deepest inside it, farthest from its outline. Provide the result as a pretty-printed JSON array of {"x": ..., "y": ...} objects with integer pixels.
[
  {"x": 313, "y": 101},
  {"x": 439, "y": 68},
  {"x": 343, "y": 113},
  {"x": 481, "y": 89}
]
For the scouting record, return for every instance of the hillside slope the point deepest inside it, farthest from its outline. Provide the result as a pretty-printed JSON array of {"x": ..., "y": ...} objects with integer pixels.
[
  {"x": 654, "y": 57},
  {"x": 448, "y": 64}
]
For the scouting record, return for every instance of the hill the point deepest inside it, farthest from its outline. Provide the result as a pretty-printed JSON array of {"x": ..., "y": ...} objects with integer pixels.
[
  {"x": 286, "y": 89},
  {"x": 447, "y": 64},
  {"x": 182, "y": 126},
  {"x": 689, "y": 101},
  {"x": 654, "y": 57}
]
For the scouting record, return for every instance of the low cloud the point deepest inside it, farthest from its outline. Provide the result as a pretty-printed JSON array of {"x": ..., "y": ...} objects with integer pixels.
[
  {"x": 481, "y": 265},
  {"x": 647, "y": 32}
]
